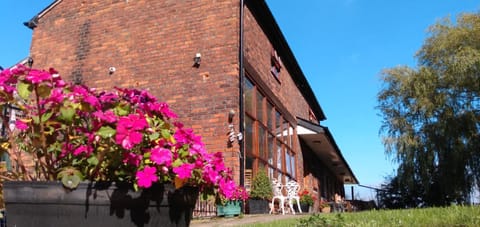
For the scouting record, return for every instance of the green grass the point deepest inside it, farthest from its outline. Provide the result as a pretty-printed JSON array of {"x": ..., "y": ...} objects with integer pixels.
[{"x": 429, "y": 217}]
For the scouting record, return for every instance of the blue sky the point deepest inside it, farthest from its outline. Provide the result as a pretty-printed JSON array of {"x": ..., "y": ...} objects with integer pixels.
[{"x": 341, "y": 46}]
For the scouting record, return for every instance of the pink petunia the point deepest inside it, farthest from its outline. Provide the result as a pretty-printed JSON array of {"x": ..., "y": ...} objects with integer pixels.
[
  {"x": 184, "y": 171},
  {"x": 146, "y": 177},
  {"x": 161, "y": 156}
]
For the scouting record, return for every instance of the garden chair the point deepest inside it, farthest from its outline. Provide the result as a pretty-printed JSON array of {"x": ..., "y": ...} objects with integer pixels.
[
  {"x": 277, "y": 195},
  {"x": 292, "y": 193}
]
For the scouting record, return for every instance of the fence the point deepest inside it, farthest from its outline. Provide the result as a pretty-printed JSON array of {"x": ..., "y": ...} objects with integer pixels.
[{"x": 204, "y": 208}]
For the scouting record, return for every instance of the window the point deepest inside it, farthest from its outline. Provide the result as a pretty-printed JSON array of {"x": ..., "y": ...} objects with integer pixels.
[
  {"x": 269, "y": 138},
  {"x": 276, "y": 64}
]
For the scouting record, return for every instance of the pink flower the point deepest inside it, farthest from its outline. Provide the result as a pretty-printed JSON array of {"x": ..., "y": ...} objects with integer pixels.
[
  {"x": 184, "y": 171},
  {"x": 128, "y": 128},
  {"x": 146, "y": 177},
  {"x": 161, "y": 156},
  {"x": 66, "y": 149},
  {"x": 132, "y": 158},
  {"x": 166, "y": 111},
  {"x": 210, "y": 175},
  {"x": 21, "y": 125},
  {"x": 186, "y": 136},
  {"x": 82, "y": 149},
  {"x": 107, "y": 116},
  {"x": 227, "y": 188},
  {"x": 37, "y": 76},
  {"x": 108, "y": 97}
]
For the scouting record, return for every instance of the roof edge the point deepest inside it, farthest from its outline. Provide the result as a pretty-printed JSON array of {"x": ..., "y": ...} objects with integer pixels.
[
  {"x": 322, "y": 129},
  {"x": 337, "y": 149},
  {"x": 32, "y": 23}
]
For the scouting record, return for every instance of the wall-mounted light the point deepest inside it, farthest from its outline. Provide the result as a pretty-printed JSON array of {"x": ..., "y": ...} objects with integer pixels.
[
  {"x": 30, "y": 62},
  {"x": 111, "y": 70},
  {"x": 232, "y": 134},
  {"x": 197, "y": 59}
]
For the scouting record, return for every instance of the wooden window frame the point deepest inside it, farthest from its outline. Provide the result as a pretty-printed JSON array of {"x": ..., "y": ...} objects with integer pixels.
[{"x": 285, "y": 140}]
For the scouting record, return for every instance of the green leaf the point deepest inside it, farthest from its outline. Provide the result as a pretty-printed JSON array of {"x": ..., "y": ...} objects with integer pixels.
[
  {"x": 44, "y": 91},
  {"x": 93, "y": 160},
  {"x": 71, "y": 181},
  {"x": 46, "y": 116},
  {"x": 106, "y": 132},
  {"x": 122, "y": 110},
  {"x": 67, "y": 113},
  {"x": 177, "y": 163},
  {"x": 154, "y": 136},
  {"x": 166, "y": 133},
  {"x": 24, "y": 90}
]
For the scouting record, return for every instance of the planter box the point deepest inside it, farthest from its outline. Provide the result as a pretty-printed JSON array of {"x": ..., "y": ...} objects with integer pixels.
[
  {"x": 100, "y": 204},
  {"x": 257, "y": 206},
  {"x": 229, "y": 209},
  {"x": 305, "y": 208},
  {"x": 326, "y": 209}
]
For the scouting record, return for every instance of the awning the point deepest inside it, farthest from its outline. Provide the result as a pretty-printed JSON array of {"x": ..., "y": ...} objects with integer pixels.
[{"x": 321, "y": 142}]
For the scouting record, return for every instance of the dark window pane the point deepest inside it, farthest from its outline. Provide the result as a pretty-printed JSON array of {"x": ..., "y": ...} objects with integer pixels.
[
  {"x": 249, "y": 96},
  {"x": 261, "y": 142},
  {"x": 269, "y": 116},
  {"x": 248, "y": 136},
  {"x": 249, "y": 163},
  {"x": 259, "y": 106}
]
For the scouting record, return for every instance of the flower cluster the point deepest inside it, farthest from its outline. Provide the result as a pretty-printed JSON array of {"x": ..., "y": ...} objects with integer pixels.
[
  {"x": 76, "y": 133},
  {"x": 306, "y": 198}
]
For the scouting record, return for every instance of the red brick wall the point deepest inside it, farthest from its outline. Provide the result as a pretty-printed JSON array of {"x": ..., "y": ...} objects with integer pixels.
[{"x": 152, "y": 45}]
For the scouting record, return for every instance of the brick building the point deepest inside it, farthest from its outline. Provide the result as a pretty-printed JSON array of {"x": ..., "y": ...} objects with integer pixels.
[{"x": 207, "y": 59}]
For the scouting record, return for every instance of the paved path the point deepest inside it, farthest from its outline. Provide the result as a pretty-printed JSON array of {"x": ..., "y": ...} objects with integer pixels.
[{"x": 240, "y": 221}]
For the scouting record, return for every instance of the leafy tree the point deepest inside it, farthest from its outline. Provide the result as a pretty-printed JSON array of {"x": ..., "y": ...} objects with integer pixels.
[{"x": 431, "y": 114}]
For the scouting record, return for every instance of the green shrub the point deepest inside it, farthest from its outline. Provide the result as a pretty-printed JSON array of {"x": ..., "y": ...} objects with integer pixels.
[{"x": 261, "y": 186}]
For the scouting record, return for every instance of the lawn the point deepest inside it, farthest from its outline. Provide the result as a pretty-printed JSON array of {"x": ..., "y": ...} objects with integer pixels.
[{"x": 448, "y": 216}]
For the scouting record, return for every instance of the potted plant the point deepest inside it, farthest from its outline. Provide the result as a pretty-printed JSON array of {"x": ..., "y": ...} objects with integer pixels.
[
  {"x": 232, "y": 206},
  {"x": 324, "y": 206},
  {"x": 260, "y": 194},
  {"x": 120, "y": 156},
  {"x": 306, "y": 200}
]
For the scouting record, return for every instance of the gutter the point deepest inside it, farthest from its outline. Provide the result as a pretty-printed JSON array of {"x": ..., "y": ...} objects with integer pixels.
[
  {"x": 32, "y": 23},
  {"x": 240, "y": 99}
]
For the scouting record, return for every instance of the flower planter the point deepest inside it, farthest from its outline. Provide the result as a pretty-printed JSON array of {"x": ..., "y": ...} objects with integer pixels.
[
  {"x": 326, "y": 209},
  {"x": 257, "y": 206},
  {"x": 100, "y": 204},
  {"x": 305, "y": 207},
  {"x": 229, "y": 209}
]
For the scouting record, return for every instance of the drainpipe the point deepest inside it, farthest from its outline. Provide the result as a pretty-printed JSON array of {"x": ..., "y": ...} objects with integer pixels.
[{"x": 241, "y": 107}]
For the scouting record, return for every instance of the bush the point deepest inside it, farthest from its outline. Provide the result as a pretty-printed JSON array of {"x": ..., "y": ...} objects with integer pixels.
[{"x": 261, "y": 186}]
